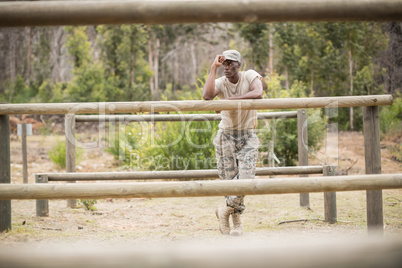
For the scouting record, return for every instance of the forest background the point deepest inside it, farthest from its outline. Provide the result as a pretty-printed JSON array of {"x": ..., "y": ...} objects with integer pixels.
[{"x": 170, "y": 62}]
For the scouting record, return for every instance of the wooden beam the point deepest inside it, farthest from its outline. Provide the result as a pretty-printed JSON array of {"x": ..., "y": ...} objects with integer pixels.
[
  {"x": 302, "y": 150},
  {"x": 312, "y": 253},
  {"x": 200, "y": 188},
  {"x": 24, "y": 153},
  {"x": 70, "y": 150},
  {"x": 330, "y": 213},
  {"x": 253, "y": 253},
  {"x": 173, "y": 174},
  {"x": 195, "y": 105},
  {"x": 5, "y": 173},
  {"x": 39, "y": 13},
  {"x": 372, "y": 152},
  {"x": 174, "y": 117},
  {"x": 42, "y": 205}
]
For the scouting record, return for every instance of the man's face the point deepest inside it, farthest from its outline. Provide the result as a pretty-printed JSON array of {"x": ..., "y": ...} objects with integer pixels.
[{"x": 230, "y": 68}]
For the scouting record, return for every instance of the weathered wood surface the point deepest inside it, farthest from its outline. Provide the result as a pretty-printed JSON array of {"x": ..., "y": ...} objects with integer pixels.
[
  {"x": 173, "y": 174},
  {"x": 5, "y": 172},
  {"x": 195, "y": 105},
  {"x": 257, "y": 253},
  {"x": 174, "y": 117},
  {"x": 372, "y": 153},
  {"x": 330, "y": 213},
  {"x": 42, "y": 206},
  {"x": 24, "y": 153},
  {"x": 200, "y": 188},
  {"x": 302, "y": 143},
  {"x": 70, "y": 151},
  {"x": 39, "y": 13}
]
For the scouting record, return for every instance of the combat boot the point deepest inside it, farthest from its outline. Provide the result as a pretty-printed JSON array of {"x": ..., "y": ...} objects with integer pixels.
[
  {"x": 223, "y": 214},
  {"x": 237, "y": 226}
]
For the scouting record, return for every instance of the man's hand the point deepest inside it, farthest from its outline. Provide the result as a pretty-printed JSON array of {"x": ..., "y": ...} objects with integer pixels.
[
  {"x": 218, "y": 61},
  {"x": 209, "y": 92}
]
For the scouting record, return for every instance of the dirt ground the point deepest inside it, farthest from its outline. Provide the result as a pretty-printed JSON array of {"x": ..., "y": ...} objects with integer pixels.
[{"x": 138, "y": 221}]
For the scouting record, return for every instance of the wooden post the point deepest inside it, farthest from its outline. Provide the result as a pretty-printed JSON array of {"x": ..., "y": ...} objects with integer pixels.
[
  {"x": 303, "y": 150},
  {"x": 70, "y": 150},
  {"x": 5, "y": 176},
  {"x": 330, "y": 198},
  {"x": 42, "y": 205},
  {"x": 24, "y": 153},
  {"x": 372, "y": 154},
  {"x": 271, "y": 161}
]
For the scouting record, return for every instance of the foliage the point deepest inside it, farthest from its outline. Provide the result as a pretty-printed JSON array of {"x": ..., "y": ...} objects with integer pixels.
[
  {"x": 257, "y": 36},
  {"x": 89, "y": 204},
  {"x": 123, "y": 55},
  {"x": 284, "y": 131},
  {"x": 172, "y": 146},
  {"x": 58, "y": 154},
  {"x": 168, "y": 145},
  {"x": 17, "y": 92},
  {"x": 391, "y": 117},
  {"x": 126, "y": 62}
]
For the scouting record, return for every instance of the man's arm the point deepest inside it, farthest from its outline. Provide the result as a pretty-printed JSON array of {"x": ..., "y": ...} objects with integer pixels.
[
  {"x": 209, "y": 92},
  {"x": 254, "y": 93}
]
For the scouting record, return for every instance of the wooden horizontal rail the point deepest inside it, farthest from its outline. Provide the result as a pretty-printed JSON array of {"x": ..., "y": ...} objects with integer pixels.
[
  {"x": 173, "y": 174},
  {"x": 200, "y": 188},
  {"x": 173, "y": 117},
  {"x": 195, "y": 105},
  {"x": 39, "y": 13},
  {"x": 258, "y": 251}
]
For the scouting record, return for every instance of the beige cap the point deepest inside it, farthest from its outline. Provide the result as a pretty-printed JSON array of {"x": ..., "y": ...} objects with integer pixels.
[{"x": 232, "y": 55}]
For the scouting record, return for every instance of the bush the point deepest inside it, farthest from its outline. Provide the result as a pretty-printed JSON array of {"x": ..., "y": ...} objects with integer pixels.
[
  {"x": 166, "y": 145},
  {"x": 284, "y": 131},
  {"x": 89, "y": 204},
  {"x": 391, "y": 117},
  {"x": 58, "y": 154}
]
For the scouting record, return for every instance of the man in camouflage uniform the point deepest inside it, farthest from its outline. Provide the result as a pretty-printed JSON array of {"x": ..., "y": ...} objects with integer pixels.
[{"x": 236, "y": 142}]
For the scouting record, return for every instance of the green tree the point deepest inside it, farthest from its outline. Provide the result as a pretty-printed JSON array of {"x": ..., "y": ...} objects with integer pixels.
[
  {"x": 89, "y": 82},
  {"x": 123, "y": 56},
  {"x": 257, "y": 36}
]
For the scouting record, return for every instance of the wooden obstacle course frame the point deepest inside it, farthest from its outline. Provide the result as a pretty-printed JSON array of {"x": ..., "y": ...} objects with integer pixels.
[
  {"x": 162, "y": 175},
  {"x": 116, "y": 120},
  {"x": 349, "y": 101}
]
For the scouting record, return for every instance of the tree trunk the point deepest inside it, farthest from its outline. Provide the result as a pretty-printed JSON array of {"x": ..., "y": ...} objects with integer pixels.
[
  {"x": 12, "y": 59},
  {"x": 287, "y": 77},
  {"x": 56, "y": 53},
  {"x": 351, "y": 86},
  {"x": 271, "y": 51},
  {"x": 156, "y": 66},
  {"x": 150, "y": 61},
  {"x": 29, "y": 54},
  {"x": 312, "y": 82},
  {"x": 194, "y": 62},
  {"x": 132, "y": 63}
]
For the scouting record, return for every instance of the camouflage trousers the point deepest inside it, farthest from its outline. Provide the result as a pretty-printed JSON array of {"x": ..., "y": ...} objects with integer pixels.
[{"x": 236, "y": 156}]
